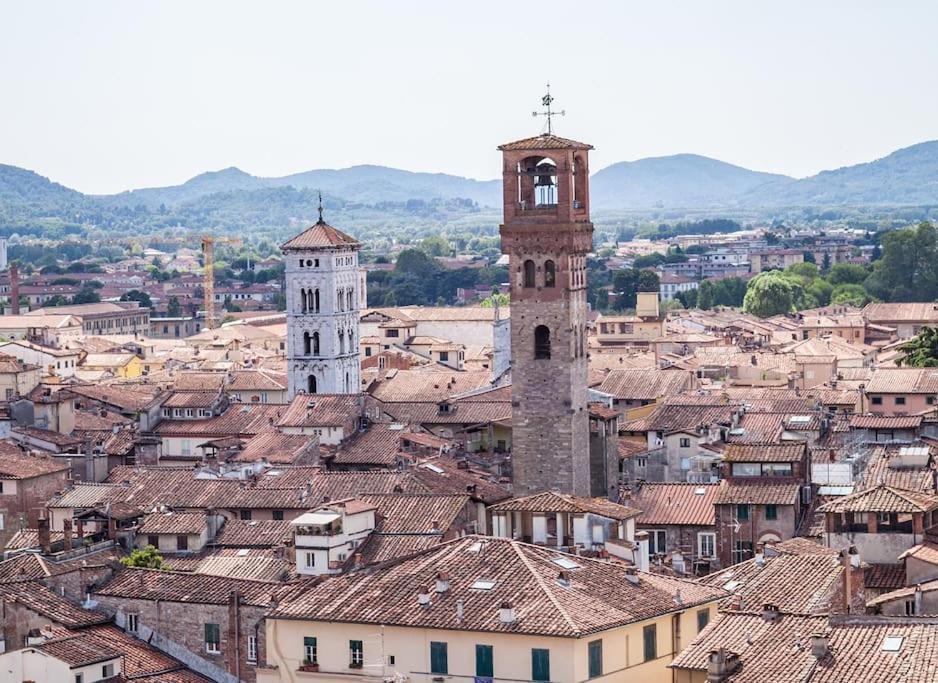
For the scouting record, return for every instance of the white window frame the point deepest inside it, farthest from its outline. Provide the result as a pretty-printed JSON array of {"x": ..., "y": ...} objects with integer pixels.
[
  {"x": 252, "y": 649},
  {"x": 310, "y": 560},
  {"x": 711, "y": 541},
  {"x": 133, "y": 622},
  {"x": 653, "y": 536}
]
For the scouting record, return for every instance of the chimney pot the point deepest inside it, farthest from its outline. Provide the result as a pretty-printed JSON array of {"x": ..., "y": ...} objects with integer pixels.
[
  {"x": 423, "y": 596},
  {"x": 442, "y": 582},
  {"x": 819, "y": 647},
  {"x": 506, "y": 613},
  {"x": 770, "y": 612}
]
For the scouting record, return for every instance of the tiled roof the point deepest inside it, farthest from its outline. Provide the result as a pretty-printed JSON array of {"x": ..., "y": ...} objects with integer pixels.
[
  {"x": 417, "y": 513},
  {"x": 756, "y": 494},
  {"x": 804, "y": 546},
  {"x": 459, "y": 412},
  {"x": 884, "y": 576},
  {"x": 22, "y": 466},
  {"x": 99, "y": 421},
  {"x": 239, "y": 533},
  {"x": 260, "y": 564},
  {"x": 675, "y": 504},
  {"x": 545, "y": 141},
  {"x": 426, "y": 386},
  {"x": 677, "y": 418},
  {"x": 770, "y": 651},
  {"x": 381, "y": 547},
  {"x": 901, "y": 312},
  {"x": 77, "y": 651},
  {"x": 378, "y": 446},
  {"x": 758, "y": 428},
  {"x": 34, "y": 596},
  {"x": 789, "y": 452},
  {"x": 126, "y": 397},
  {"x": 443, "y": 475},
  {"x": 597, "y": 596},
  {"x": 883, "y": 466},
  {"x": 903, "y": 381},
  {"x": 796, "y": 584},
  {"x": 644, "y": 384},
  {"x": 173, "y": 523},
  {"x": 239, "y": 419},
  {"x": 882, "y": 498},
  {"x": 320, "y": 235},
  {"x": 47, "y": 435},
  {"x": 257, "y": 380},
  {"x": 885, "y": 422},
  {"x": 551, "y": 501},
  {"x": 321, "y": 410},
  {"x": 169, "y": 586},
  {"x": 191, "y": 399},
  {"x": 199, "y": 381},
  {"x": 276, "y": 447}
]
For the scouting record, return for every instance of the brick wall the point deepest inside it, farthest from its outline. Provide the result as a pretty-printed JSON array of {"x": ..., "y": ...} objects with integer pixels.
[{"x": 28, "y": 501}]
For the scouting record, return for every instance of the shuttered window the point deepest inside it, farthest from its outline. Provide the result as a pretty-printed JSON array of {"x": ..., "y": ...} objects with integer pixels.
[
  {"x": 596, "y": 658},
  {"x": 439, "y": 658},
  {"x": 484, "y": 664},
  {"x": 650, "y": 640},
  {"x": 540, "y": 664},
  {"x": 212, "y": 638}
]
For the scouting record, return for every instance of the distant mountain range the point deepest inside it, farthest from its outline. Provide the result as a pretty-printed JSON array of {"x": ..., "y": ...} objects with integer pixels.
[{"x": 907, "y": 177}]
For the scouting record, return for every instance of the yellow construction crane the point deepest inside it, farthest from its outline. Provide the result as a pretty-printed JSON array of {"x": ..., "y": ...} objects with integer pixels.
[{"x": 208, "y": 287}]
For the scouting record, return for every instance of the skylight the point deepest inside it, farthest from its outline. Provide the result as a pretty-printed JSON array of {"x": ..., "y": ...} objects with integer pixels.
[
  {"x": 700, "y": 491},
  {"x": 483, "y": 585},
  {"x": 242, "y": 552},
  {"x": 731, "y": 585},
  {"x": 565, "y": 563},
  {"x": 892, "y": 643},
  {"x": 434, "y": 468},
  {"x": 800, "y": 419},
  {"x": 913, "y": 450},
  {"x": 475, "y": 547}
]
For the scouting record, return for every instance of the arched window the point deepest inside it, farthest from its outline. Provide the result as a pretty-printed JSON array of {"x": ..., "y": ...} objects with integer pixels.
[
  {"x": 307, "y": 344},
  {"x": 529, "y": 273},
  {"x": 550, "y": 274},
  {"x": 315, "y": 343},
  {"x": 303, "y": 301},
  {"x": 348, "y": 388},
  {"x": 541, "y": 342},
  {"x": 341, "y": 341},
  {"x": 351, "y": 299},
  {"x": 315, "y": 305},
  {"x": 311, "y": 384}
]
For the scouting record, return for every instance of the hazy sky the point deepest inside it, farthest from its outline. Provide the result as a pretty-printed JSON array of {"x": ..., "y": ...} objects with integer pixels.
[{"x": 107, "y": 96}]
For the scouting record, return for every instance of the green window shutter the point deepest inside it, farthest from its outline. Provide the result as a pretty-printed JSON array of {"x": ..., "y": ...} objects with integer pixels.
[
  {"x": 703, "y": 618},
  {"x": 439, "y": 658},
  {"x": 540, "y": 664},
  {"x": 650, "y": 638},
  {"x": 212, "y": 633},
  {"x": 484, "y": 665},
  {"x": 742, "y": 512},
  {"x": 771, "y": 512},
  {"x": 596, "y": 658}
]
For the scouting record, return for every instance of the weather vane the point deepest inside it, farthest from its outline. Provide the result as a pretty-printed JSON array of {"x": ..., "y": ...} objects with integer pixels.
[
  {"x": 320, "y": 206},
  {"x": 548, "y": 112}
]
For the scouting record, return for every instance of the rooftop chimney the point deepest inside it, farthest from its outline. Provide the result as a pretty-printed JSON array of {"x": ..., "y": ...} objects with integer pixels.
[
  {"x": 14, "y": 290},
  {"x": 641, "y": 554},
  {"x": 442, "y": 582},
  {"x": 506, "y": 613},
  {"x": 631, "y": 575},
  {"x": 460, "y": 611},
  {"x": 67, "y": 533},
  {"x": 770, "y": 612},
  {"x": 45, "y": 535},
  {"x": 819, "y": 645},
  {"x": 423, "y": 596},
  {"x": 721, "y": 665}
]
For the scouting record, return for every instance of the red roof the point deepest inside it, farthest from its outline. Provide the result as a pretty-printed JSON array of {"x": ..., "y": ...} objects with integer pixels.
[
  {"x": 320, "y": 235},
  {"x": 545, "y": 141}
]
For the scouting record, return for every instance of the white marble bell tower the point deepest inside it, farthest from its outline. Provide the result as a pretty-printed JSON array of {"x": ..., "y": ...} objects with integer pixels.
[{"x": 323, "y": 284}]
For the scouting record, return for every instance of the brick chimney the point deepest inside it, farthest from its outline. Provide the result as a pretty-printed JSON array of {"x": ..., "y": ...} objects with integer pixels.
[
  {"x": 67, "y": 533},
  {"x": 236, "y": 650},
  {"x": 14, "y": 290},
  {"x": 45, "y": 535},
  {"x": 819, "y": 647}
]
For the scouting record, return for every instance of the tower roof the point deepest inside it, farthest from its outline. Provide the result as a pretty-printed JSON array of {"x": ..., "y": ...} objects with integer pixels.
[
  {"x": 545, "y": 141},
  {"x": 320, "y": 235}
]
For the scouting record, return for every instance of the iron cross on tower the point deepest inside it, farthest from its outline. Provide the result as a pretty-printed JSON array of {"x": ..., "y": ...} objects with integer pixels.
[{"x": 548, "y": 112}]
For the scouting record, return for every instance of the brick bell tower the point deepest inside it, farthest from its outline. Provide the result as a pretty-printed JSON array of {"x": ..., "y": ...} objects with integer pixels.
[{"x": 547, "y": 234}]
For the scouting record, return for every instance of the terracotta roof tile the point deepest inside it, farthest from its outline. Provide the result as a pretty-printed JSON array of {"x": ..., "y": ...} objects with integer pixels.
[
  {"x": 169, "y": 586},
  {"x": 885, "y": 422},
  {"x": 551, "y": 501},
  {"x": 675, "y": 504},
  {"x": 545, "y": 141},
  {"x": 596, "y": 597},
  {"x": 173, "y": 523},
  {"x": 320, "y": 235},
  {"x": 882, "y": 498},
  {"x": 645, "y": 384},
  {"x": 788, "y": 452},
  {"x": 756, "y": 494}
]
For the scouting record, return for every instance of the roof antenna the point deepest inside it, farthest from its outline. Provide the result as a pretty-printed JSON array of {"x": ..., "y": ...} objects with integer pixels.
[
  {"x": 320, "y": 206},
  {"x": 548, "y": 112}
]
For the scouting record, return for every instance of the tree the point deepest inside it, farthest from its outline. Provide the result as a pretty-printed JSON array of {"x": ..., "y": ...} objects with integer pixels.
[
  {"x": 416, "y": 262},
  {"x": 826, "y": 262},
  {"x": 770, "y": 293},
  {"x": 173, "y": 309},
  {"x": 54, "y": 300},
  {"x": 705, "y": 295},
  {"x": 688, "y": 298},
  {"x": 808, "y": 257},
  {"x": 921, "y": 351},
  {"x": 136, "y": 295},
  {"x": 86, "y": 295},
  {"x": 849, "y": 294},
  {"x": 436, "y": 245},
  {"x": 496, "y": 298},
  {"x": 148, "y": 558},
  {"x": 847, "y": 274}
]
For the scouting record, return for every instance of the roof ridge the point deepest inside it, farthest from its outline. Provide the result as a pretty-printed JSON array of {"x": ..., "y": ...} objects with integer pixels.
[{"x": 543, "y": 585}]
